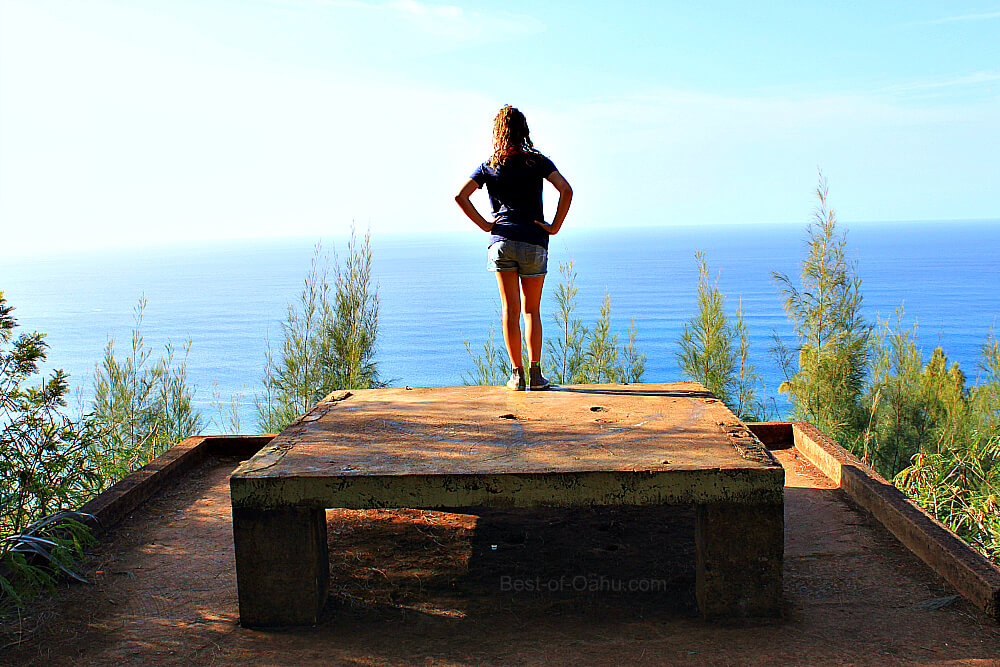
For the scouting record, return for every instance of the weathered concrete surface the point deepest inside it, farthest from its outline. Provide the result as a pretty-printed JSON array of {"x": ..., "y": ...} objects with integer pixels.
[
  {"x": 487, "y": 447},
  {"x": 471, "y": 446}
]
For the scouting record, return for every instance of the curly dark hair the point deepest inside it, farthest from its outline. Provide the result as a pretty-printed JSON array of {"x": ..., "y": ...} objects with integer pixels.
[{"x": 510, "y": 135}]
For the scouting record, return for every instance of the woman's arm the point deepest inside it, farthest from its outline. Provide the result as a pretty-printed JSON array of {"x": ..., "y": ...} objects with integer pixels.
[
  {"x": 462, "y": 198},
  {"x": 562, "y": 208}
]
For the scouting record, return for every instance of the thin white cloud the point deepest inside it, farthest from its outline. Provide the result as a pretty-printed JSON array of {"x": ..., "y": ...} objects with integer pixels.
[
  {"x": 973, "y": 79},
  {"x": 985, "y": 16}
]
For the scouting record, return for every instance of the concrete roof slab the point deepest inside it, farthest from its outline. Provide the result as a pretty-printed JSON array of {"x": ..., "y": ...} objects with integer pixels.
[{"x": 454, "y": 446}]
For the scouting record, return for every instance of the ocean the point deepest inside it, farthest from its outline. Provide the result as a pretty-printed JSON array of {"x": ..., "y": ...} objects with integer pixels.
[{"x": 229, "y": 298}]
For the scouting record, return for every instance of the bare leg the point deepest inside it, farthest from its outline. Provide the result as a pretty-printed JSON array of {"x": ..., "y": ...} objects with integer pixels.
[
  {"x": 531, "y": 295},
  {"x": 510, "y": 298}
]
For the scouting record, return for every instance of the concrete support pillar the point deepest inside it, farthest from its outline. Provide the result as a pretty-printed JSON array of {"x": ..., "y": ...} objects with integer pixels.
[
  {"x": 282, "y": 567},
  {"x": 740, "y": 553}
]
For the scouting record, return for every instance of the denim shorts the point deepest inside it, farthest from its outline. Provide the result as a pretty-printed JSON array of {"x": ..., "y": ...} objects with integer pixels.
[{"x": 527, "y": 259}]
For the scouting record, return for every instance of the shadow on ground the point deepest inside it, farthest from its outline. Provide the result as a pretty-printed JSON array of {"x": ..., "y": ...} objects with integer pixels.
[{"x": 626, "y": 561}]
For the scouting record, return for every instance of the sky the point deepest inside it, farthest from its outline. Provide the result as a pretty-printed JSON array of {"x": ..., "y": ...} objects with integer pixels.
[{"x": 142, "y": 122}]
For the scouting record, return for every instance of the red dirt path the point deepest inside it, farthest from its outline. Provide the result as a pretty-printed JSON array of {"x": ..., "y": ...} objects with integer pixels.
[{"x": 434, "y": 588}]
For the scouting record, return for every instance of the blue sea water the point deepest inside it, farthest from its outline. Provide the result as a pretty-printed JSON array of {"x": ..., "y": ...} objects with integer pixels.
[{"x": 229, "y": 298}]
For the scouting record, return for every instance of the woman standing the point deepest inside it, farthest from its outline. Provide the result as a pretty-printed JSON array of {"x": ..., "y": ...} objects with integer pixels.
[{"x": 519, "y": 235}]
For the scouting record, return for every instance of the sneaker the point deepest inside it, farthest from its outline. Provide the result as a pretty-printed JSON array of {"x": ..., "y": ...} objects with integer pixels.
[
  {"x": 516, "y": 381},
  {"x": 537, "y": 382}
]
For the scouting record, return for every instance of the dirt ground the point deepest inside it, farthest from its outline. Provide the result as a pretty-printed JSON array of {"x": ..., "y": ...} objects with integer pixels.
[{"x": 515, "y": 587}]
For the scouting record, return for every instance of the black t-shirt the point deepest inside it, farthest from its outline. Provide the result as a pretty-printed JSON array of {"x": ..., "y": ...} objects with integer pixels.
[{"x": 515, "y": 190}]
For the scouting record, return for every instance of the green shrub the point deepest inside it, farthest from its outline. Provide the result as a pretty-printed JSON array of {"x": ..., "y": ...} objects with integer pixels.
[
  {"x": 910, "y": 406},
  {"x": 706, "y": 351},
  {"x": 141, "y": 408},
  {"x": 832, "y": 336},
  {"x": 33, "y": 558},
  {"x": 45, "y": 467},
  {"x": 954, "y": 437},
  {"x": 45, "y": 463},
  {"x": 328, "y": 341}
]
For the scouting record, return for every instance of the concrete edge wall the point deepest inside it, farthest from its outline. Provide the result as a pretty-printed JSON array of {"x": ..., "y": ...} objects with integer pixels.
[
  {"x": 972, "y": 575},
  {"x": 125, "y": 495}
]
